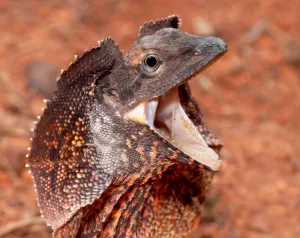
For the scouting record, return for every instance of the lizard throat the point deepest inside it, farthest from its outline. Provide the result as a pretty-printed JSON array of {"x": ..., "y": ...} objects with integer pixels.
[{"x": 167, "y": 118}]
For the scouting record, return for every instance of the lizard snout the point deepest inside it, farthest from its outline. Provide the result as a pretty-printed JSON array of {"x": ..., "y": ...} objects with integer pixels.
[
  {"x": 211, "y": 44},
  {"x": 222, "y": 46}
]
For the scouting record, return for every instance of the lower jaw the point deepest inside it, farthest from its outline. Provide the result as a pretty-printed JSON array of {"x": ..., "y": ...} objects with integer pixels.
[{"x": 168, "y": 119}]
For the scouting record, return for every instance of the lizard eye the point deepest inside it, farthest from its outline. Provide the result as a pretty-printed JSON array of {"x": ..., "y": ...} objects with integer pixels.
[{"x": 150, "y": 63}]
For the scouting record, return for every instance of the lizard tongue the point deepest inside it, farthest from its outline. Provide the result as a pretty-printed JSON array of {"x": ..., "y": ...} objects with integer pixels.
[{"x": 168, "y": 118}]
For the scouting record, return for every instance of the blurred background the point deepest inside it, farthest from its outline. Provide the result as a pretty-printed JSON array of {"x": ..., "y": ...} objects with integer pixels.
[{"x": 250, "y": 99}]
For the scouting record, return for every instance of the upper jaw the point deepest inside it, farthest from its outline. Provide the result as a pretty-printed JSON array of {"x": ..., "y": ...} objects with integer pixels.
[{"x": 205, "y": 53}]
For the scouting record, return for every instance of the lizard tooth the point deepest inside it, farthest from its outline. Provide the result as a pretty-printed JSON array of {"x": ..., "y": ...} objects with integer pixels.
[
  {"x": 57, "y": 79},
  {"x": 62, "y": 70},
  {"x": 27, "y": 155},
  {"x": 30, "y": 138},
  {"x": 27, "y": 165},
  {"x": 35, "y": 122},
  {"x": 32, "y": 129},
  {"x": 99, "y": 42},
  {"x": 29, "y": 148},
  {"x": 76, "y": 57},
  {"x": 42, "y": 109},
  {"x": 39, "y": 117},
  {"x": 45, "y": 100}
]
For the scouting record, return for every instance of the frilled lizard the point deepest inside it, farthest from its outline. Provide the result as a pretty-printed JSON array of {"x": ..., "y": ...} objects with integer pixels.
[{"x": 121, "y": 150}]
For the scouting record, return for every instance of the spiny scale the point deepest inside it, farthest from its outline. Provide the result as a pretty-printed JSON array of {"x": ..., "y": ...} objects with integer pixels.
[{"x": 172, "y": 21}]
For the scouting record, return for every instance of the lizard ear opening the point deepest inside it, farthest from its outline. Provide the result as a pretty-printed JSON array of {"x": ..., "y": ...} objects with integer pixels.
[{"x": 149, "y": 28}]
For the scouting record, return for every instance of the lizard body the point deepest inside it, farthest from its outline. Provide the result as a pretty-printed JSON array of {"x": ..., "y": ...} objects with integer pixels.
[{"x": 121, "y": 150}]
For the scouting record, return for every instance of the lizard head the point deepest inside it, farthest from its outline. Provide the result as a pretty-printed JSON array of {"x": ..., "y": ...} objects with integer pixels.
[
  {"x": 162, "y": 59},
  {"x": 168, "y": 57}
]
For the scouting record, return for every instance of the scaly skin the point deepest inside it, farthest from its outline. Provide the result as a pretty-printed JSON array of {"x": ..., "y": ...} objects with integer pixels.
[{"x": 98, "y": 172}]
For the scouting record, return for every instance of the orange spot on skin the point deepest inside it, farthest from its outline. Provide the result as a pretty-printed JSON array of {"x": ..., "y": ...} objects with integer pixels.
[
  {"x": 125, "y": 159},
  {"x": 92, "y": 85},
  {"x": 153, "y": 153},
  {"x": 140, "y": 150},
  {"x": 128, "y": 143},
  {"x": 154, "y": 150},
  {"x": 136, "y": 165},
  {"x": 147, "y": 177},
  {"x": 136, "y": 56},
  {"x": 135, "y": 176},
  {"x": 143, "y": 159},
  {"x": 135, "y": 59},
  {"x": 159, "y": 171}
]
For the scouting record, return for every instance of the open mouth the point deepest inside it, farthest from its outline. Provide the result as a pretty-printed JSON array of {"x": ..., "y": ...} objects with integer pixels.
[{"x": 167, "y": 118}]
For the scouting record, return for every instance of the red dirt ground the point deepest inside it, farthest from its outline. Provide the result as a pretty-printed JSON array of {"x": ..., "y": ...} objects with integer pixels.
[{"x": 250, "y": 99}]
